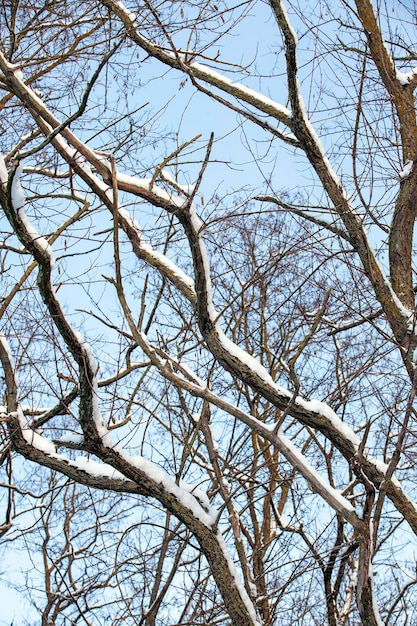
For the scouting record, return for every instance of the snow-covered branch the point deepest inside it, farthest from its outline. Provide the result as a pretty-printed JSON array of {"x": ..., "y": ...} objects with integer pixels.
[{"x": 200, "y": 72}]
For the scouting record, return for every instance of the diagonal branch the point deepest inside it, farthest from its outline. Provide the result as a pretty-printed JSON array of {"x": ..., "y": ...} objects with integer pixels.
[{"x": 199, "y": 72}]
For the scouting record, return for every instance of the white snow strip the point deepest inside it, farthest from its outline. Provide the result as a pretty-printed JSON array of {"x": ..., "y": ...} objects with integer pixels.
[
  {"x": 147, "y": 185},
  {"x": 274, "y": 129},
  {"x": 159, "y": 259},
  {"x": 97, "y": 416},
  {"x": 250, "y": 94},
  {"x": 168, "y": 177},
  {"x": 188, "y": 189},
  {"x": 141, "y": 184},
  {"x": 323, "y": 409},
  {"x": 236, "y": 578},
  {"x": 315, "y": 406},
  {"x": 249, "y": 360},
  {"x": 215, "y": 78},
  {"x": 130, "y": 15},
  {"x": 18, "y": 197},
  {"x": 312, "y": 475},
  {"x": 374, "y": 600},
  {"x": 18, "y": 74},
  {"x": 44, "y": 445},
  {"x": 72, "y": 153},
  {"x": 172, "y": 269},
  {"x": 228, "y": 345},
  {"x": 202, "y": 498},
  {"x": 81, "y": 463},
  {"x": 406, "y": 314},
  {"x": 3, "y": 171},
  {"x": 191, "y": 375},
  {"x": 289, "y": 26},
  {"x": 170, "y": 266},
  {"x": 318, "y": 143},
  {"x": 6, "y": 349},
  {"x": 318, "y": 483},
  {"x": 18, "y": 203}
]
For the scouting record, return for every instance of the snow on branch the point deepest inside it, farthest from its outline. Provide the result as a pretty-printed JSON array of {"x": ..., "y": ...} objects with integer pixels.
[
  {"x": 245, "y": 367},
  {"x": 37, "y": 448},
  {"x": 82, "y": 159},
  {"x": 182, "y": 492},
  {"x": 179, "y": 60},
  {"x": 10, "y": 374},
  {"x": 160, "y": 261},
  {"x": 28, "y": 230},
  {"x": 169, "y": 369},
  {"x": 303, "y": 132},
  {"x": 3, "y": 172},
  {"x": 407, "y": 78},
  {"x": 398, "y": 311},
  {"x": 42, "y": 251}
]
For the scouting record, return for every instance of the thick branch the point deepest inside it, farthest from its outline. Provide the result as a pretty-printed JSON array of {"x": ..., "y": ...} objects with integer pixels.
[
  {"x": 396, "y": 309},
  {"x": 402, "y": 97}
]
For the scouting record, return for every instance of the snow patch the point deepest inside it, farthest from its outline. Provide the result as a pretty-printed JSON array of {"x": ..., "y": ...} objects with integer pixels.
[
  {"x": 250, "y": 361},
  {"x": 129, "y": 14},
  {"x": 162, "y": 262},
  {"x": 96, "y": 413},
  {"x": 18, "y": 197},
  {"x": 184, "y": 495},
  {"x": 317, "y": 481},
  {"x": 97, "y": 469},
  {"x": 187, "y": 189},
  {"x": 290, "y": 28},
  {"x": 228, "y": 345},
  {"x": 71, "y": 438},
  {"x": 3, "y": 171},
  {"x": 406, "y": 171},
  {"x": 169, "y": 265},
  {"x": 31, "y": 437},
  {"x": 405, "y": 78},
  {"x": 323, "y": 409},
  {"x": 202, "y": 498}
]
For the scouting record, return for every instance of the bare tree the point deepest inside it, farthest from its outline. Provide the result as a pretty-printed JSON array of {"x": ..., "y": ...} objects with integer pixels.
[{"x": 208, "y": 310}]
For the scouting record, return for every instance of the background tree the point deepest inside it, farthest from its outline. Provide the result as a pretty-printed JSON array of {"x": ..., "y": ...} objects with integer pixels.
[{"x": 208, "y": 325}]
